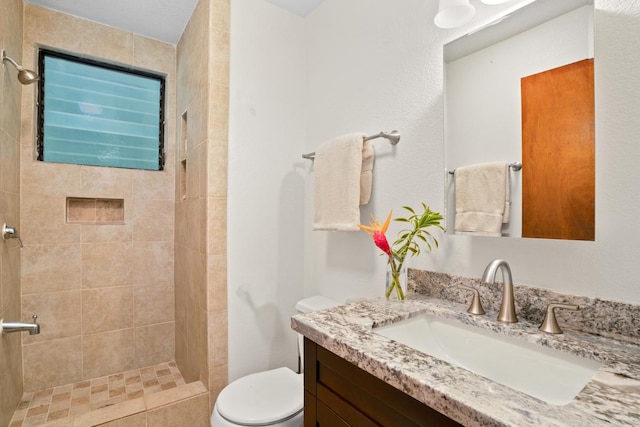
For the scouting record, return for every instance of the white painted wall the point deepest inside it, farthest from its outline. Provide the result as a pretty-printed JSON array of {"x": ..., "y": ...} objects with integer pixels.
[
  {"x": 371, "y": 66},
  {"x": 266, "y": 185}
]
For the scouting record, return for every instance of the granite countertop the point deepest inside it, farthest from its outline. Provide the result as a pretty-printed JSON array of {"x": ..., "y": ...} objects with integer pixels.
[{"x": 612, "y": 397}]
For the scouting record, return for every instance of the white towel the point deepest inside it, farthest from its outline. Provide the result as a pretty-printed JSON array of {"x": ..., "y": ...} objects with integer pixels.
[
  {"x": 343, "y": 175},
  {"x": 482, "y": 198}
]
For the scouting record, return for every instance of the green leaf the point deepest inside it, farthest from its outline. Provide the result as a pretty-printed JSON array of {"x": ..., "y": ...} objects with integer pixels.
[{"x": 409, "y": 209}]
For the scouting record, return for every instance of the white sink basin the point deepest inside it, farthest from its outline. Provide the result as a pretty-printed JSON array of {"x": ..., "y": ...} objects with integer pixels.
[{"x": 550, "y": 375}]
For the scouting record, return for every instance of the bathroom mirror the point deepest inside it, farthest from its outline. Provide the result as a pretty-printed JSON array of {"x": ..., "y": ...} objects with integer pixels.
[{"x": 488, "y": 115}]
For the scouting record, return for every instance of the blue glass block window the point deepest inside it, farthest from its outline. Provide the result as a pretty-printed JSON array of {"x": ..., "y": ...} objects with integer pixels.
[{"x": 98, "y": 114}]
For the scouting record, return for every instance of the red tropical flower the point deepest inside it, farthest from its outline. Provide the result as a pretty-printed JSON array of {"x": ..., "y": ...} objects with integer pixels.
[{"x": 376, "y": 231}]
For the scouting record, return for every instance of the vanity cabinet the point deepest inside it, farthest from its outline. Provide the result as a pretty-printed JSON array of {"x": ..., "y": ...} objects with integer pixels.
[{"x": 338, "y": 393}]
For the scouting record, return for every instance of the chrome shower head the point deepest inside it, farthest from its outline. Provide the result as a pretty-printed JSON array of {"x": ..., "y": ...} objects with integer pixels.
[{"x": 24, "y": 76}]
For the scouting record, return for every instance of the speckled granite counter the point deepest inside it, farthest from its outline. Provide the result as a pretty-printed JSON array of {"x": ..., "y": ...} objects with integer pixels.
[{"x": 612, "y": 397}]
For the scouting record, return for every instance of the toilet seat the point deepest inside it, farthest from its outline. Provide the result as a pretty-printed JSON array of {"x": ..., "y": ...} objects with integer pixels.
[{"x": 263, "y": 398}]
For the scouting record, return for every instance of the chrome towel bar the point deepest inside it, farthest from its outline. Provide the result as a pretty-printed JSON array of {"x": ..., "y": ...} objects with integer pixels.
[
  {"x": 515, "y": 166},
  {"x": 393, "y": 137}
]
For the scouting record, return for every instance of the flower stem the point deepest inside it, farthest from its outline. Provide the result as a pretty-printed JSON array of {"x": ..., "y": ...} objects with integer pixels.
[{"x": 395, "y": 280}]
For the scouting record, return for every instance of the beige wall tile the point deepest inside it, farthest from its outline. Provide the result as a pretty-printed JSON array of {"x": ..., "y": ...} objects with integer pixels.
[
  {"x": 59, "y": 315},
  {"x": 219, "y": 55},
  {"x": 50, "y": 28},
  {"x": 154, "y": 304},
  {"x": 203, "y": 168},
  {"x": 218, "y": 342},
  {"x": 155, "y": 344},
  {"x": 153, "y": 220},
  {"x": 181, "y": 287},
  {"x": 217, "y": 282},
  {"x": 154, "y": 55},
  {"x": 193, "y": 173},
  {"x": 171, "y": 123},
  {"x": 157, "y": 186},
  {"x": 48, "y": 179},
  {"x": 11, "y": 30},
  {"x": 203, "y": 350},
  {"x": 102, "y": 182},
  {"x": 219, "y": 111},
  {"x": 9, "y": 277},
  {"x": 11, "y": 368},
  {"x": 52, "y": 363},
  {"x": 51, "y": 268},
  {"x": 217, "y": 225},
  {"x": 190, "y": 78},
  {"x": 152, "y": 262},
  {"x": 218, "y": 379},
  {"x": 4, "y": 284},
  {"x": 110, "y": 43},
  {"x": 188, "y": 371},
  {"x": 9, "y": 163},
  {"x": 108, "y": 352},
  {"x": 220, "y": 11},
  {"x": 11, "y": 99},
  {"x": 104, "y": 233},
  {"x": 181, "y": 222},
  {"x": 106, "y": 264},
  {"x": 44, "y": 221},
  {"x": 10, "y": 209},
  {"x": 192, "y": 412},
  {"x": 11, "y": 21},
  {"x": 217, "y": 160},
  {"x": 197, "y": 280},
  {"x": 193, "y": 227},
  {"x": 107, "y": 309},
  {"x": 195, "y": 31}
]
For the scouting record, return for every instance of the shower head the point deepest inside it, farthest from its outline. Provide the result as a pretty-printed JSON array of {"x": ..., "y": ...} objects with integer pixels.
[{"x": 24, "y": 76}]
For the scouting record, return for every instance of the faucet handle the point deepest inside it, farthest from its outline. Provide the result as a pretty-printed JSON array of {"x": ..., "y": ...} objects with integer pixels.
[
  {"x": 35, "y": 318},
  {"x": 550, "y": 323},
  {"x": 476, "y": 306}
]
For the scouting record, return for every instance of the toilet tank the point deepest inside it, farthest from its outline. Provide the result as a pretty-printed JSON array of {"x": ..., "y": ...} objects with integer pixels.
[{"x": 307, "y": 305}]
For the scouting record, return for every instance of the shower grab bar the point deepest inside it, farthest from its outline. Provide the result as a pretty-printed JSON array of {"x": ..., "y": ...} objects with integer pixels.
[
  {"x": 515, "y": 166},
  {"x": 393, "y": 137}
]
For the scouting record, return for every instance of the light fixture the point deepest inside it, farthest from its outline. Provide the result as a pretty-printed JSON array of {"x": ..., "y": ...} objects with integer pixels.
[
  {"x": 24, "y": 76},
  {"x": 453, "y": 13}
]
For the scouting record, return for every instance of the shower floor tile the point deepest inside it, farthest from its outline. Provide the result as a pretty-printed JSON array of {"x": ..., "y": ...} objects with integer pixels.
[{"x": 53, "y": 404}]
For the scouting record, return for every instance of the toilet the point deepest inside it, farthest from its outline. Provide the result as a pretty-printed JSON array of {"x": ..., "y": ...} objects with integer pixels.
[{"x": 272, "y": 398}]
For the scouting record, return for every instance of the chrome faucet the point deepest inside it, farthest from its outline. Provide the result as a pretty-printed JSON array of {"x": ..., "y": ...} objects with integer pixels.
[
  {"x": 507, "y": 307},
  {"x": 8, "y": 327}
]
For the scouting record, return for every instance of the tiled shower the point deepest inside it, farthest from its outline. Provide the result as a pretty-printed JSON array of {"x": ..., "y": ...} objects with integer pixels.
[{"x": 126, "y": 269}]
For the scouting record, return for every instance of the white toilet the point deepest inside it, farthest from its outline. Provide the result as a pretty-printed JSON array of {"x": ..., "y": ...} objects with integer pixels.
[{"x": 272, "y": 398}]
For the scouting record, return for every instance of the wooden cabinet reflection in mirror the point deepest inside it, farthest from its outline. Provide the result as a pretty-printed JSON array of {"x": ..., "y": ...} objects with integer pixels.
[{"x": 558, "y": 151}]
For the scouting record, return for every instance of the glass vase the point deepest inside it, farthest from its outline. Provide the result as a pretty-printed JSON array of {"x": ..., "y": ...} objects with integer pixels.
[{"x": 396, "y": 284}]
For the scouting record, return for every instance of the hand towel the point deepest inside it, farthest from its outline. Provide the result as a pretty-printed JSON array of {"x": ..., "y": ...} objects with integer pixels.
[
  {"x": 482, "y": 198},
  {"x": 366, "y": 174},
  {"x": 342, "y": 168}
]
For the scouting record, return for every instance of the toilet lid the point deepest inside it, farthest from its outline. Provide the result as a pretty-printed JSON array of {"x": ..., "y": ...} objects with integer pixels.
[{"x": 262, "y": 398}]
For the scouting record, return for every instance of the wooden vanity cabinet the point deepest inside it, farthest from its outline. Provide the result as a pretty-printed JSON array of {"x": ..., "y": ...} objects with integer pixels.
[{"x": 339, "y": 394}]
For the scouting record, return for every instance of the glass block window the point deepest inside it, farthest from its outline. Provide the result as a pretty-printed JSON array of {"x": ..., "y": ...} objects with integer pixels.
[{"x": 98, "y": 114}]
